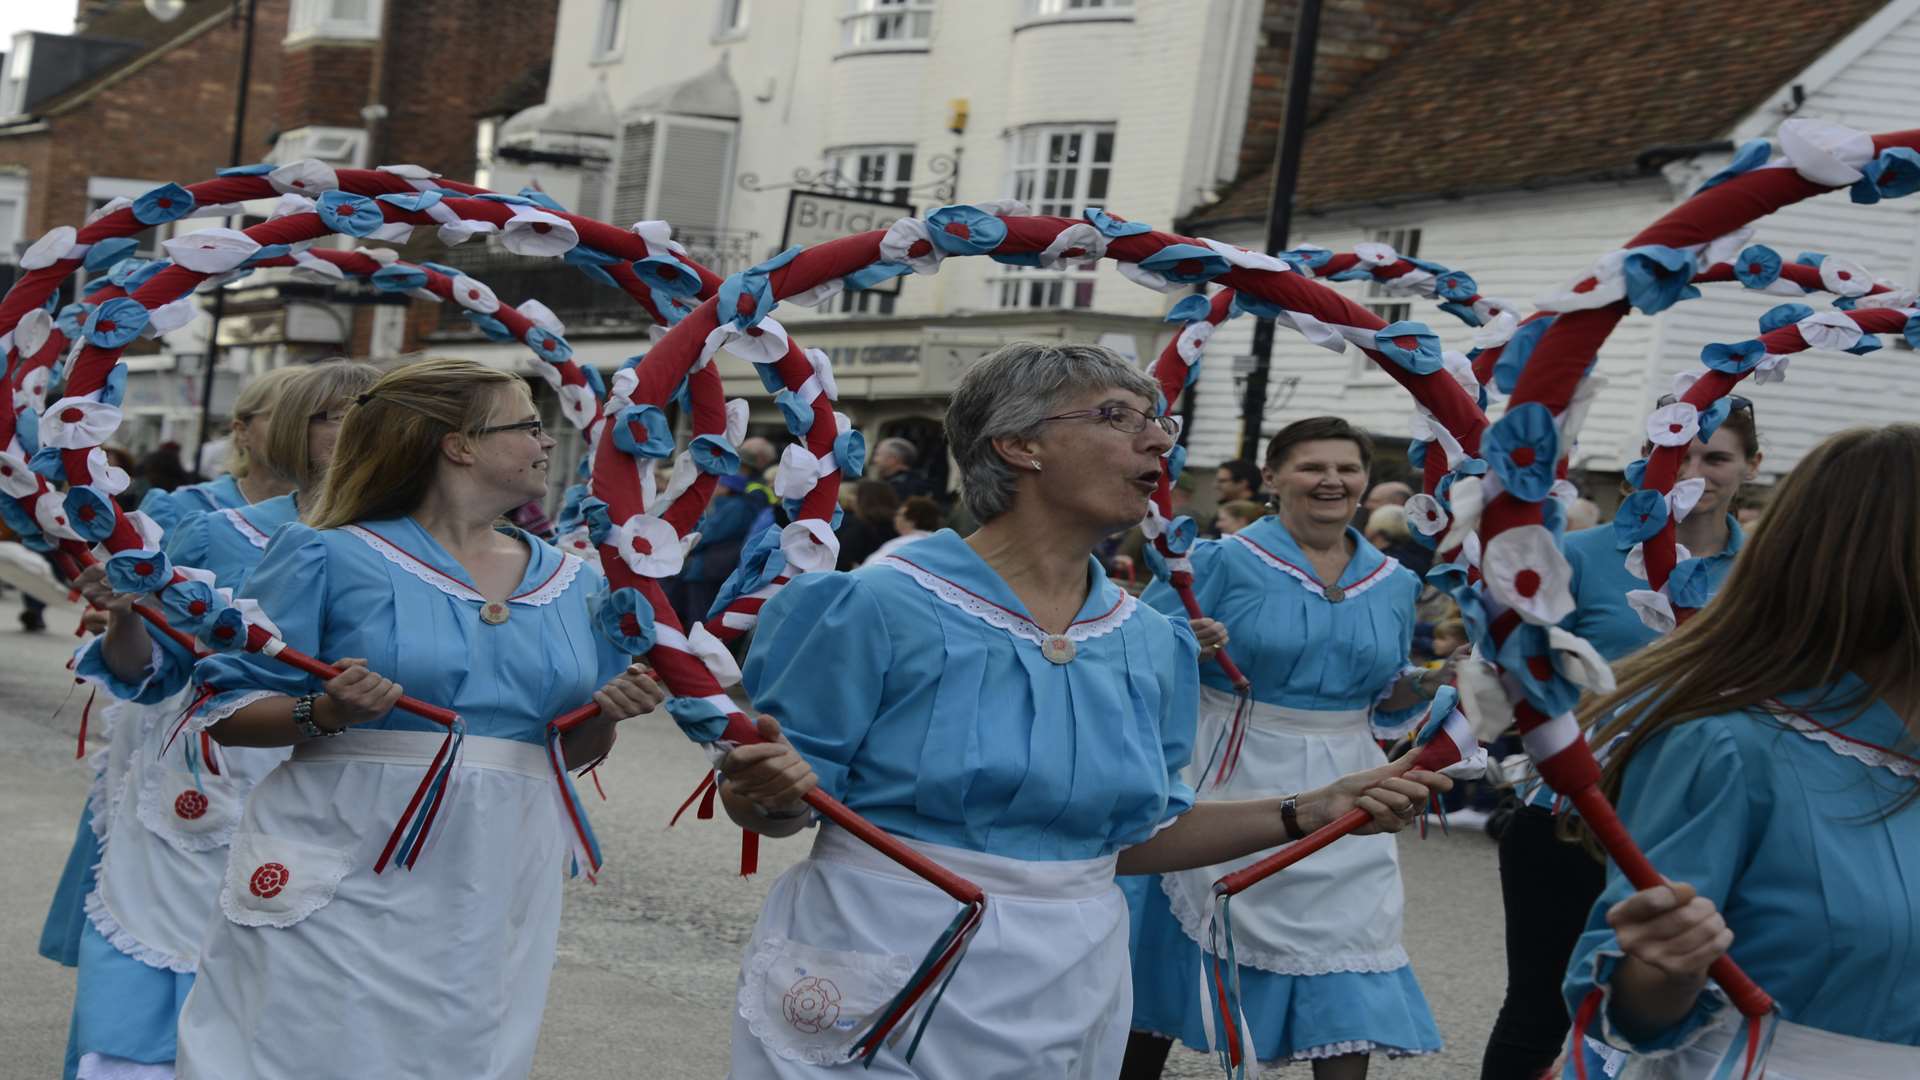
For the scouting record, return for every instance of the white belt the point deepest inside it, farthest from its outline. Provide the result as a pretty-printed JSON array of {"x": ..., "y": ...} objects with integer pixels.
[
  {"x": 1281, "y": 718},
  {"x": 419, "y": 747},
  {"x": 1000, "y": 876},
  {"x": 1799, "y": 1053}
]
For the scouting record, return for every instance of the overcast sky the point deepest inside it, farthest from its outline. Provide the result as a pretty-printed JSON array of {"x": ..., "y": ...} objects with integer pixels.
[{"x": 51, "y": 15}]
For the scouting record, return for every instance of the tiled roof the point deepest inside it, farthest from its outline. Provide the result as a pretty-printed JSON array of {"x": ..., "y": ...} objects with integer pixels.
[{"x": 1524, "y": 93}]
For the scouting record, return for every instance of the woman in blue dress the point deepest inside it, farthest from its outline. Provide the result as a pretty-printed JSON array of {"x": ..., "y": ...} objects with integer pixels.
[
  {"x": 400, "y": 577},
  {"x": 1546, "y": 883},
  {"x": 242, "y": 484},
  {"x": 1322, "y": 622},
  {"x": 1769, "y": 770},
  {"x": 1000, "y": 705},
  {"x": 165, "y": 847},
  {"x": 60, "y": 935}
]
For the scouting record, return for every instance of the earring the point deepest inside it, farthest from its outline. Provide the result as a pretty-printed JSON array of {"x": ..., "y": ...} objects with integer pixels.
[{"x": 1035, "y": 464}]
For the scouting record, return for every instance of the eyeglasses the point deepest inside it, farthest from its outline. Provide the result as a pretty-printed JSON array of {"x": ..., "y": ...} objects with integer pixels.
[
  {"x": 328, "y": 416},
  {"x": 1737, "y": 402},
  {"x": 1123, "y": 418},
  {"x": 535, "y": 428}
]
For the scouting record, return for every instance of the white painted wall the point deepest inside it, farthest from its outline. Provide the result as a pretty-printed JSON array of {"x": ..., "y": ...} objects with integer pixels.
[
  {"x": 1518, "y": 245},
  {"x": 1172, "y": 78}
]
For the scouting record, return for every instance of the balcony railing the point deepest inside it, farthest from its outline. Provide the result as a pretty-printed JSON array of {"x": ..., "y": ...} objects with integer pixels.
[{"x": 580, "y": 302}]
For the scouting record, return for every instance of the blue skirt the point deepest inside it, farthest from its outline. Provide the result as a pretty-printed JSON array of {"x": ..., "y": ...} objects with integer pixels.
[
  {"x": 60, "y": 935},
  {"x": 1293, "y": 1017},
  {"x": 122, "y": 1008}
]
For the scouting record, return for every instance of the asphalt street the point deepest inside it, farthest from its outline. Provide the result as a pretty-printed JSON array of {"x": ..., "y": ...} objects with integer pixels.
[{"x": 644, "y": 982}]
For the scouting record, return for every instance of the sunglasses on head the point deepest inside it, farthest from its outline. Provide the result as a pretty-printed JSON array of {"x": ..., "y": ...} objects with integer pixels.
[{"x": 1738, "y": 402}]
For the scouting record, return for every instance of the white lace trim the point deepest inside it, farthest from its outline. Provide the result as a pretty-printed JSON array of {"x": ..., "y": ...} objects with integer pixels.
[
  {"x": 752, "y": 990},
  {"x": 1194, "y": 924},
  {"x": 1350, "y": 1046},
  {"x": 96, "y": 1066},
  {"x": 538, "y": 596},
  {"x": 311, "y": 874},
  {"x": 244, "y": 527},
  {"x": 211, "y": 714},
  {"x": 125, "y": 943},
  {"x": 1308, "y": 581},
  {"x": 1867, "y": 755},
  {"x": 99, "y": 799},
  {"x": 1012, "y": 622},
  {"x": 157, "y": 814}
]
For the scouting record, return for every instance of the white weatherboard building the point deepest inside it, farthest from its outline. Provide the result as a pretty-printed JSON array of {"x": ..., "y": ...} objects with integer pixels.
[
  {"x": 712, "y": 115},
  {"x": 1524, "y": 243}
]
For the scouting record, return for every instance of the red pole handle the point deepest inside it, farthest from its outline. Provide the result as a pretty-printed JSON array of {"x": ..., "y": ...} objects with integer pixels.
[
  {"x": 295, "y": 658},
  {"x": 1601, "y": 817},
  {"x": 1240, "y": 880},
  {"x": 1227, "y": 666}
]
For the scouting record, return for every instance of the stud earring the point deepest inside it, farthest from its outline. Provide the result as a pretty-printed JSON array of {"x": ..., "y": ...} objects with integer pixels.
[{"x": 1035, "y": 464}]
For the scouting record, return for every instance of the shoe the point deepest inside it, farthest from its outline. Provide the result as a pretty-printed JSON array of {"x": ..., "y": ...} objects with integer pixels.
[
  {"x": 1467, "y": 818},
  {"x": 32, "y": 622}
]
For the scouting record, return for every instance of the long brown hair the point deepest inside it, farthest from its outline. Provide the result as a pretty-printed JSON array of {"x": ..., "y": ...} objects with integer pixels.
[
  {"x": 1830, "y": 586},
  {"x": 258, "y": 396},
  {"x": 390, "y": 442},
  {"x": 315, "y": 391}
]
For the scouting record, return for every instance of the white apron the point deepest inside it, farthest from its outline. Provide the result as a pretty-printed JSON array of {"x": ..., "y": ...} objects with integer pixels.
[
  {"x": 313, "y": 968},
  {"x": 163, "y": 862},
  {"x": 1799, "y": 1053},
  {"x": 1043, "y": 991},
  {"x": 1340, "y": 909}
]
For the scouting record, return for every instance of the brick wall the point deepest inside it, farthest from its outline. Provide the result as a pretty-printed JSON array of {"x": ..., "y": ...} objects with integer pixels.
[
  {"x": 445, "y": 61},
  {"x": 170, "y": 119},
  {"x": 1356, "y": 36},
  {"x": 324, "y": 83}
]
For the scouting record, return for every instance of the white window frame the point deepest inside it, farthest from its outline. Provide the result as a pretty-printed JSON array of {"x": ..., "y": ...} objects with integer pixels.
[
  {"x": 731, "y": 18},
  {"x": 1405, "y": 241},
  {"x": 14, "y": 189},
  {"x": 314, "y": 20},
  {"x": 897, "y": 183},
  {"x": 13, "y": 81},
  {"x": 1017, "y": 288},
  {"x": 1038, "y": 12},
  {"x": 609, "y": 32},
  {"x": 863, "y": 20},
  {"x": 345, "y": 147}
]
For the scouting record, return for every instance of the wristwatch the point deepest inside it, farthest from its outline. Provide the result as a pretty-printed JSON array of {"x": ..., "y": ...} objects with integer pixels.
[
  {"x": 1290, "y": 817},
  {"x": 303, "y": 719}
]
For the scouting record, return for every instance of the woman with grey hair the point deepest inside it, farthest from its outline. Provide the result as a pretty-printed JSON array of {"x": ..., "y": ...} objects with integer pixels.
[{"x": 1001, "y": 706}]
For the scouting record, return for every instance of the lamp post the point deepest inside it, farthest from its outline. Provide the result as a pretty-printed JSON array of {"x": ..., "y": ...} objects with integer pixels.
[
  {"x": 244, "y": 9},
  {"x": 1286, "y": 171}
]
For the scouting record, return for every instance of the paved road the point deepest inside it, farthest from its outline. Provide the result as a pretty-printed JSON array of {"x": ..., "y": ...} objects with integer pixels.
[{"x": 644, "y": 980}]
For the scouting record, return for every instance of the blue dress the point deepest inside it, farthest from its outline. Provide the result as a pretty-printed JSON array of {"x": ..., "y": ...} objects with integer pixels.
[
  {"x": 1601, "y": 581},
  {"x": 130, "y": 988},
  {"x": 1322, "y": 969},
  {"x": 169, "y": 508},
  {"x": 918, "y": 689},
  {"x": 60, "y": 934},
  {"x": 1787, "y": 829},
  {"x": 460, "y": 944}
]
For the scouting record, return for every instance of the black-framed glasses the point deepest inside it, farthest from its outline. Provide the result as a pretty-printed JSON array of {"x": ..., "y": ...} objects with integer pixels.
[
  {"x": 1123, "y": 418},
  {"x": 1737, "y": 403},
  {"x": 534, "y": 428}
]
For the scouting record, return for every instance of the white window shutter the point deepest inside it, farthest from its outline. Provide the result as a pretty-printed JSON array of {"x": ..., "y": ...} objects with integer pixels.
[
  {"x": 693, "y": 191},
  {"x": 633, "y": 175}
]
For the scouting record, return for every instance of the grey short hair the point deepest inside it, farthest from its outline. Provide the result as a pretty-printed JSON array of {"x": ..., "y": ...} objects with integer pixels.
[
  {"x": 1007, "y": 393},
  {"x": 900, "y": 448}
]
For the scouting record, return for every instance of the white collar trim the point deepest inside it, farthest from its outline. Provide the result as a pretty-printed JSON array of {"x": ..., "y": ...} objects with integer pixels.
[
  {"x": 538, "y": 596},
  {"x": 1004, "y": 618}
]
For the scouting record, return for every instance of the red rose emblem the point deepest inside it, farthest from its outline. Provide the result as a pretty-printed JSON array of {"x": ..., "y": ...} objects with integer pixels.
[
  {"x": 190, "y": 805},
  {"x": 812, "y": 1004},
  {"x": 268, "y": 880}
]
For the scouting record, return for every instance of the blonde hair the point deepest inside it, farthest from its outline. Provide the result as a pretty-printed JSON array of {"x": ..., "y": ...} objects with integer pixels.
[
  {"x": 1831, "y": 585},
  {"x": 316, "y": 390},
  {"x": 390, "y": 442},
  {"x": 258, "y": 396}
]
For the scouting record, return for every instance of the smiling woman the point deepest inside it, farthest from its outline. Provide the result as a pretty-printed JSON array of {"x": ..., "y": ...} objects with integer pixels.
[{"x": 1001, "y": 706}]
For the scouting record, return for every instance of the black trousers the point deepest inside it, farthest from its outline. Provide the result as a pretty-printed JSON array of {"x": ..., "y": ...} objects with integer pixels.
[{"x": 1548, "y": 887}]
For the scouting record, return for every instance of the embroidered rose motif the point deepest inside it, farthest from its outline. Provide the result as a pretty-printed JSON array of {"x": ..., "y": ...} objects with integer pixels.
[
  {"x": 190, "y": 805},
  {"x": 268, "y": 880},
  {"x": 812, "y": 1004}
]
